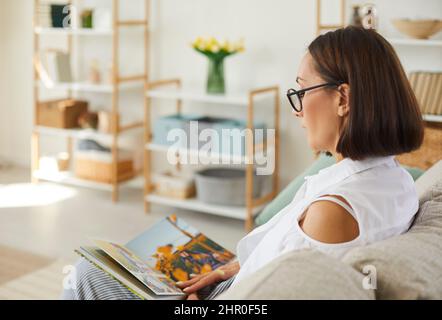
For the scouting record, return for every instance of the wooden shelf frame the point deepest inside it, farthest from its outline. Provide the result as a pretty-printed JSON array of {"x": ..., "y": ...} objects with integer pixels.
[
  {"x": 114, "y": 88},
  {"x": 252, "y": 204}
]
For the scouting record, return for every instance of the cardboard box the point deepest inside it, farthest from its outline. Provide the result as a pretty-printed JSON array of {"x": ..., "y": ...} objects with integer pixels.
[{"x": 63, "y": 113}]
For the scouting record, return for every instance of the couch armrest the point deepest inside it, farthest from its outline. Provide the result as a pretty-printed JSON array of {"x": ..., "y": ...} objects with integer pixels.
[{"x": 429, "y": 178}]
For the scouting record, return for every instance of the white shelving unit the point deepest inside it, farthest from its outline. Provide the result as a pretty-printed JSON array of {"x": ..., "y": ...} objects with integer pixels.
[
  {"x": 432, "y": 117},
  {"x": 89, "y": 87},
  {"x": 241, "y": 100},
  {"x": 259, "y": 155},
  {"x": 423, "y": 44},
  {"x": 235, "y": 99},
  {"x": 73, "y": 32},
  {"x": 118, "y": 84},
  {"x": 193, "y": 204},
  {"x": 415, "y": 42}
]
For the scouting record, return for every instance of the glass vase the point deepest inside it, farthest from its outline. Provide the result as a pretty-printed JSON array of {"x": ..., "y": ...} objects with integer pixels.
[{"x": 215, "y": 76}]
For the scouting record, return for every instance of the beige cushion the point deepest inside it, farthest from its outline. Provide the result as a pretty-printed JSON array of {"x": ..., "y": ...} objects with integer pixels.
[
  {"x": 305, "y": 274},
  {"x": 429, "y": 178},
  {"x": 409, "y": 266}
]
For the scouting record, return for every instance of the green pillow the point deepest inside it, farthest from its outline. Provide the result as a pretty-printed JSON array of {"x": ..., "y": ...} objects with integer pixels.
[{"x": 286, "y": 195}]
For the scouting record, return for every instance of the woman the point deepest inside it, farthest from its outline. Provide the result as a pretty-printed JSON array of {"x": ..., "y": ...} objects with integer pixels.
[{"x": 356, "y": 104}]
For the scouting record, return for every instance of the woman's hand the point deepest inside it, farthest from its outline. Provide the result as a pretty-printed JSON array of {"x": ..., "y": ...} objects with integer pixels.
[{"x": 200, "y": 281}]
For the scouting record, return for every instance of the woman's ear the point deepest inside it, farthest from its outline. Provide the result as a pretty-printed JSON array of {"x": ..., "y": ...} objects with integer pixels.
[{"x": 344, "y": 100}]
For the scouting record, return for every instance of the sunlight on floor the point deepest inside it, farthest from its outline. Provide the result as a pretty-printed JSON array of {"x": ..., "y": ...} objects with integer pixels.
[{"x": 31, "y": 195}]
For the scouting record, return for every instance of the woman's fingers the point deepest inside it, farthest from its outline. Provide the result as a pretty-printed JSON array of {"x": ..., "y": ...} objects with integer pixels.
[
  {"x": 193, "y": 296},
  {"x": 183, "y": 284},
  {"x": 203, "y": 282}
]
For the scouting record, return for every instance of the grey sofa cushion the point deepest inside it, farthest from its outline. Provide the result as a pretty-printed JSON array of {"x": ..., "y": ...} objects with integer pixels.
[
  {"x": 305, "y": 274},
  {"x": 409, "y": 266}
]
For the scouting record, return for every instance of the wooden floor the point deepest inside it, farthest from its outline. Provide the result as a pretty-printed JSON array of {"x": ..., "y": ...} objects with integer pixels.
[{"x": 27, "y": 276}]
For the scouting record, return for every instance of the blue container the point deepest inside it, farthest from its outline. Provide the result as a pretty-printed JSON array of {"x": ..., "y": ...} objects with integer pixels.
[
  {"x": 205, "y": 123},
  {"x": 163, "y": 125},
  {"x": 232, "y": 136}
]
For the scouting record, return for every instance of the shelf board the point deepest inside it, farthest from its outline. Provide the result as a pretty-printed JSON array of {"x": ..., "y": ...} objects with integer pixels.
[
  {"x": 432, "y": 117},
  {"x": 69, "y": 179},
  {"x": 196, "y": 205},
  {"x": 75, "y": 133},
  {"x": 69, "y": 31},
  {"x": 259, "y": 155},
  {"x": 90, "y": 87},
  {"x": 241, "y": 99},
  {"x": 415, "y": 42}
]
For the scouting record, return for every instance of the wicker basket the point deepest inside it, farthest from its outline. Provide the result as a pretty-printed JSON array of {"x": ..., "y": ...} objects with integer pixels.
[
  {"x": 174, "y": 185},
  {"x": 100, "y": 170}
]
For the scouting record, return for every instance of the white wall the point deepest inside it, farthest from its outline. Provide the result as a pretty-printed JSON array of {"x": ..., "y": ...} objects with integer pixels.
[
  {"x": 276, "y": 35},
  {"x": 15, "y": 80}
]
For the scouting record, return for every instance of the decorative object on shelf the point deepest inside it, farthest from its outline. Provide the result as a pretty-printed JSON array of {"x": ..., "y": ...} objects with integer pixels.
[
  {"x": 59, "y": 15},
  {"x": 102, "y": 19},
  {"x": 216, "y": 52},
  {"x": 94, "y": 72},
  {"x": 63, "y": 161},
  {"x": 225, "y": 186},
  {"x": 87, "y": 19},
  {"x": 369, "y": 16},
  {"x": 104, "y": 121},
  {"x": 44, "y": 15},
  {"x": 88, "y": 120},
  {"x": 418, "y": 29},
  {"x": 109, "y": 77},
  {"x": 427, "y": 87},
  {"x": 56, "y": 67},
  {"x": 356, "y": 19},
  {"x": 61, "y": 113},
  {"x": 174, "y": 185}
]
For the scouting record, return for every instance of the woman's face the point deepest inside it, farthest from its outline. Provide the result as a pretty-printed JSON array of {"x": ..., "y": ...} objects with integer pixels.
[{"x": 319, "y": 114}]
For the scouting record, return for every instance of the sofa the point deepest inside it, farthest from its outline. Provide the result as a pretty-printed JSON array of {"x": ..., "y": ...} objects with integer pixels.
[{"x": 407, "y": 266}]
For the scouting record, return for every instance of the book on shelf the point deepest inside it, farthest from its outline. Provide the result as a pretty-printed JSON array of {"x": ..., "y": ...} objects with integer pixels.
[
  {"x": 425, "y": 92},
  {"x": 427, "y": 87},
  {"x": 150, "y": 264},
  {"x": 54, "y": 67},
  {"x": 436, "y": 104}
]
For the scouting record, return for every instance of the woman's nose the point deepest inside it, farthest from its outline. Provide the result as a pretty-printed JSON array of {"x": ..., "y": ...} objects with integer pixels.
[{"x": 298, "y": 114}]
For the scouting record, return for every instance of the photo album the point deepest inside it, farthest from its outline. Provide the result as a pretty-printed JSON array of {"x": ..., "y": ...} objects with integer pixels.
[{"x": 150, "y": 264}]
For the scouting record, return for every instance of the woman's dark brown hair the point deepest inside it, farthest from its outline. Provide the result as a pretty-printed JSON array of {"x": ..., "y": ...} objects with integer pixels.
[{"x": 384, "y": 117}]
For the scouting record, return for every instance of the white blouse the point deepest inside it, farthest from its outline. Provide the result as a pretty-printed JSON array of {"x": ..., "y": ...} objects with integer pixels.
[{"x": 383, "y": 201}]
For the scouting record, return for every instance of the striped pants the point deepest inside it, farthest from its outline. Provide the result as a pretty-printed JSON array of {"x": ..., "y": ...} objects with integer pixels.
[{"x": 94, "y": 284}]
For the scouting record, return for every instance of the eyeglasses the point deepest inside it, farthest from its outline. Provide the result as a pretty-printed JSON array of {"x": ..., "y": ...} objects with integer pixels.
[{"x": 295, "y": 96}]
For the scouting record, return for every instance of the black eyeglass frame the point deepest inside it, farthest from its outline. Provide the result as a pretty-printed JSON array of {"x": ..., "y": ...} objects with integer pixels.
[{"x": 300, "y": 93}]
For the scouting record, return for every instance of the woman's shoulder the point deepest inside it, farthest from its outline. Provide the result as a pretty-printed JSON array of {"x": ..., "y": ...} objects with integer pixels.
[
  {"x": 387, "y": 180},
  {"x": 386, "y": 193}
]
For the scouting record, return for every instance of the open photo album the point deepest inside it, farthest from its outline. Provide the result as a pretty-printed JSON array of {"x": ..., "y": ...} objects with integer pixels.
[{"x": 150, "y": 264}]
